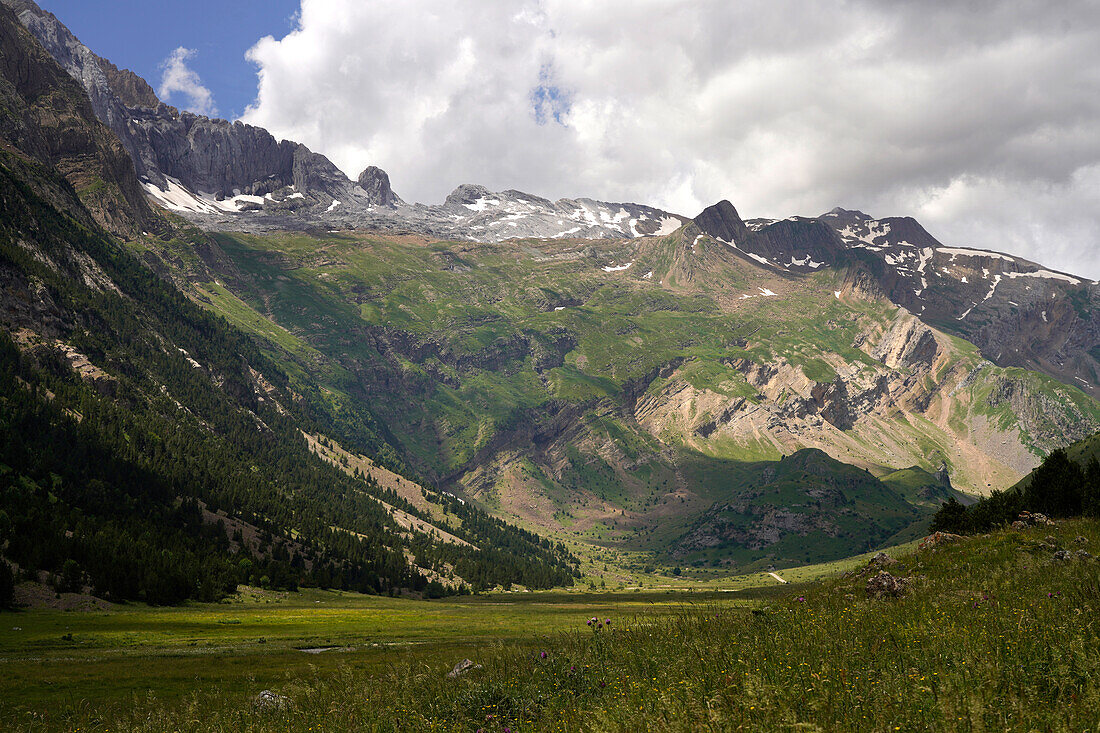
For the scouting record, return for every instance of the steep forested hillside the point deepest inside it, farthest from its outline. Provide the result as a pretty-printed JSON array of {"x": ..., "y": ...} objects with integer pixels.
[{"x": 150, "y": 451}]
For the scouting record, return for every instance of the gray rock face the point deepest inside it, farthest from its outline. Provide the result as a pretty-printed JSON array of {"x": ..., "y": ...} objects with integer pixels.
[
  {"x": 1016, "y": 311},
  {"x": 376, "y": 183},
  {"x": 722, "y": 221},
  {"x": 202, "y": 155}
]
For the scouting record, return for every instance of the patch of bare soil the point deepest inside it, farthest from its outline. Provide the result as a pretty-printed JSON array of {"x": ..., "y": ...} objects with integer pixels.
[{"x": 40, "y": 595}]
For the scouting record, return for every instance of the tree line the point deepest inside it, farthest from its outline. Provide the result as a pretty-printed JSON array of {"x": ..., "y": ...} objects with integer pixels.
[{"x": 1059, "y": 487}]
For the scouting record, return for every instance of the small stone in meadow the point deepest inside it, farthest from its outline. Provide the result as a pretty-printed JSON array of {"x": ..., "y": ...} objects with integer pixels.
[
  {"x": 268, "y": 700},
  {"x": 463, "y": 667},
  {"x": 885, "y": 585}
]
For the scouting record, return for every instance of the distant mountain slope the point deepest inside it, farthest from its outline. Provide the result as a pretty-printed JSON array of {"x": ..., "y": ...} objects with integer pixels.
[
  {"x": 619, "y": 377},
  {"x": 1017, "y": 312},
  {"x": 804, "y": 506},
  {"x": 605, "y": 391}
]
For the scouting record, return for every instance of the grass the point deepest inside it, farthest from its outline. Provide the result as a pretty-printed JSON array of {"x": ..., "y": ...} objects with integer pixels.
[
  {"x": 994, "y": 636},
  {"x": 104, "y": 660}
]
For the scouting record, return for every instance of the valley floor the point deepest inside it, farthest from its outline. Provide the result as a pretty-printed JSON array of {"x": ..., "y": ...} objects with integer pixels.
[{"x": 997, "y": 633}]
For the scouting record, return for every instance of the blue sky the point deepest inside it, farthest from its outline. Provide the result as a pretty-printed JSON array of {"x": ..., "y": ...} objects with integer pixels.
[{"x": 139, "y": 35}]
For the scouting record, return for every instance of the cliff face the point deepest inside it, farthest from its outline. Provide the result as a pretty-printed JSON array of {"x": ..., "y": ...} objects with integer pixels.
[
  {"x": 204, "y": 155},
  {"x": 48, "y": 117}
]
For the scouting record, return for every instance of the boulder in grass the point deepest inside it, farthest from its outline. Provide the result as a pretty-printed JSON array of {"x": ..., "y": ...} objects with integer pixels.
[
  {"x": 1033, "y": 519},
  {"x": 885, "y": 585},
  {"x": 936, "y": 539},
  {"x": 882, "y": 560},
  {"x": 268, "y": 700},
  {"x": 464, "y": 667}
]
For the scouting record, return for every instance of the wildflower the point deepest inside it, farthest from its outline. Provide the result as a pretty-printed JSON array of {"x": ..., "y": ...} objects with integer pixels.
[
  {"x": 607, "y": 622},
  {"x": 542, "y": 655},
  {"x": 801, "y": 599}
]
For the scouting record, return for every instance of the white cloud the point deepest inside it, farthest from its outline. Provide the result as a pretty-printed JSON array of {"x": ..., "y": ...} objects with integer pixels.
[
  {"x": 177, "y": 77},
  {"x": 981, "y": 119}
]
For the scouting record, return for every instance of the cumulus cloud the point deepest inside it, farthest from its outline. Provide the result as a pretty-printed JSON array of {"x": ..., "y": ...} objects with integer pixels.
[
  {"x": 982, "y": 118},
  {"x": 178, "y": 77}
]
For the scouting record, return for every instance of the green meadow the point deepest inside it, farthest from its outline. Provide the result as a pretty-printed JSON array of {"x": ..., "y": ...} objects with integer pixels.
[
  {"x": 995, "y": 634},
  {"x": 99, "y": 661}
]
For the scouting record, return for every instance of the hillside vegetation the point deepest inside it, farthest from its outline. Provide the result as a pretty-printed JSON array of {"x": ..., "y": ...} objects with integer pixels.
[{"x": 149, "y": 450}]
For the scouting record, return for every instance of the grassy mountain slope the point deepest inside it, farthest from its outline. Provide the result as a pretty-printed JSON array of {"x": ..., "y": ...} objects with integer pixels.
[
  {"x": 804, "y": 506},
  {"x": 560, "y": 388}
]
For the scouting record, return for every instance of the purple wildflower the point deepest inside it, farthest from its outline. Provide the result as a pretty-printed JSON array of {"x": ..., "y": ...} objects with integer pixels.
[{"x": 542, "y": 655}]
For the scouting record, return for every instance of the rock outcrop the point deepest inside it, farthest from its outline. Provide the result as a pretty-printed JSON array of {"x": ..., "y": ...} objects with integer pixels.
[
  {"x": 885, "y": 585},
  {"x": 48, "y": 117},
  {"x": 722, "y": 222},
  {"x": 376, "y": 183}
]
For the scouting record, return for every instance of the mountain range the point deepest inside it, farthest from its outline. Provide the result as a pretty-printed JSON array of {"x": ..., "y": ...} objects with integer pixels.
[{"x": 611, "y": 376}]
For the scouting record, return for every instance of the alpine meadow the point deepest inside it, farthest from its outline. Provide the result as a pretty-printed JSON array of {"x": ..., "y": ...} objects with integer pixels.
[{"x": 281, "y": 450}]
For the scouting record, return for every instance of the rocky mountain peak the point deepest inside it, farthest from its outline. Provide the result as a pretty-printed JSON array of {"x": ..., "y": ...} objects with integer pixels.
[
  {"x": 48, "y": 117},
  {"x": 838, "y": 211},
  {"x": 467, "y": 193},
  {"x": 722, "y": 221},
  {"x": 376, "y": 183}
]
